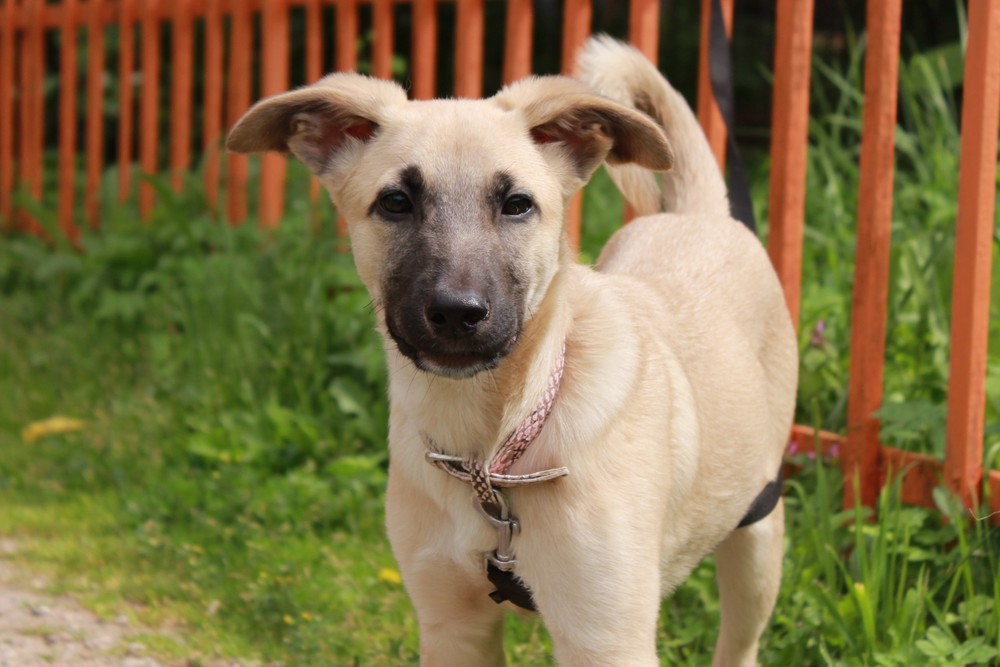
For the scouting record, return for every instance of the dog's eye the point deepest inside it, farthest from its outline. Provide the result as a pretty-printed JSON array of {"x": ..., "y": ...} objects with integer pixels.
[
  {"x": 517, "y": 205},
  {"x": 395, "y": 202}
]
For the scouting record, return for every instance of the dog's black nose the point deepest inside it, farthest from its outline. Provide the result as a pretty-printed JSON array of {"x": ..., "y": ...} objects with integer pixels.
[{"x": 456, "y": 312}]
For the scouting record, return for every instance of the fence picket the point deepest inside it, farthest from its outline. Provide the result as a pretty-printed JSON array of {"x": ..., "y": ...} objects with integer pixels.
[
  {"x": 212, "y": 112},
  {"x": 7, "y": 113},
  {"x": 963, "y": 464},
  {"x": 94, "y": 119},
  {"x": 67, "y": 121},
  {"x": 469, "y": 49},
  {"x": 424, "y": 48},
  {"x": 314, "y": 63},
  {"x": 181, "y": 90},
  {"x": 577, "y": 18},
  {"x": 314, "y": 40},
  {"x": 149, "y": 103},
  {"x": 347, "y": 31},
  {"x": 789, "y": 139},
  {"x": 126, "y": 117},
  {"x": 382, "y": 41},
  {"x": 346, "y": 60},
  {"x": 871, "y": 274},
  {"x": 32, "y": 120},
  {"x": 644, "y": 27},
  {"x": 517, "y": 41},
  {"x": 274, "y": 80},
  {"x": 240, "y": 49}
]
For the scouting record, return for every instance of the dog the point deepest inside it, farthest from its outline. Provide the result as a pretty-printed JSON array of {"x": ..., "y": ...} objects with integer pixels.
[{"x": 612, "y": 425}]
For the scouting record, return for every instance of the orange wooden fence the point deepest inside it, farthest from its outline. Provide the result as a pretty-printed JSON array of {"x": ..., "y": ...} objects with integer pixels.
[{"x": 226, "y": 30}]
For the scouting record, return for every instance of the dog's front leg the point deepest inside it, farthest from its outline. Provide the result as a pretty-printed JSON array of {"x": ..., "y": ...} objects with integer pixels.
[
  {"x": 460, "y": 626},
  {"x": 603, "y": 631},
  {"x": 598, "y": 594}
]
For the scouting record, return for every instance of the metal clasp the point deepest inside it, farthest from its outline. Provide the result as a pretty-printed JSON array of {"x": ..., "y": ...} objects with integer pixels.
[{"x": 498, "y": 515}]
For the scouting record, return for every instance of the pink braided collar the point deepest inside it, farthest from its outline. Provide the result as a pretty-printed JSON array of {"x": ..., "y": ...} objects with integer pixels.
[{"x": 495, "y": 473}]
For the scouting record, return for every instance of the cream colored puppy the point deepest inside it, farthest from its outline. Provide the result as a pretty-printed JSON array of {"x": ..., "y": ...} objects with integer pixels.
[{"x": 583, "y": 437}]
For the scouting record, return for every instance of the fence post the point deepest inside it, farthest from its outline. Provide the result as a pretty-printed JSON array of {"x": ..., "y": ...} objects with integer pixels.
[
  {"x": 212, "y": 119},
  {"x": 644, "y": 27},
  {"x": 314, "y": 64},
  {"x": 274, "y": 80},
  {"x": 238, "y": 99},
  {"x": 469, "y": 49},
  {"x": 126, "y": 68},
  {"x": 517, "y": 40},
  {"x": 314, "y": 41},
  {"x": 424, "y": 48},
  {"x": 789, "y": 139},
  {"x": 347, "y": 32},
  {"x": 382, "y": 41},
  {"x": 95, "y": 112},
  {"x": 32, "y": 121},
  {"x": 67, "y": 121},
  {"x": 577, "y": 19},
  {"x": 871, "y": 274},
  {"x": 346, "y": 61},
  {"x": 6, "y": 111},
  {"x": 970, "y": 313},
  {"x": 149, "y": 102},
  {"x": 182, "y": 63}
]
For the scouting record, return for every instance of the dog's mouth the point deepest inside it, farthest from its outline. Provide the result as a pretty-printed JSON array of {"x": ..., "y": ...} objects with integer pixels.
[{"x": 460, "y": 362}]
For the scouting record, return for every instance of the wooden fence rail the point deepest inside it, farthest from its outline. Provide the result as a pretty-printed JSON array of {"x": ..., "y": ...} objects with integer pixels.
[{"x": 223, "y": 31}]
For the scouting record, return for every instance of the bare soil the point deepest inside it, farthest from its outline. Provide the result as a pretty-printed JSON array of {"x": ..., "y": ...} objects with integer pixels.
[{"x": 38, "y": 629}]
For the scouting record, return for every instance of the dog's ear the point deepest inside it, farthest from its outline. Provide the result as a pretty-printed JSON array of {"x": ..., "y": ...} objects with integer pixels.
[
  {"x": 591, "y": 127},
  {"x": 316, "y": 122}
]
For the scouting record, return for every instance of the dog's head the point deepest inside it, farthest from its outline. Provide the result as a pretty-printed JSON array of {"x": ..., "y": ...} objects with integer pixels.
[{"x": 455, "y": 208}]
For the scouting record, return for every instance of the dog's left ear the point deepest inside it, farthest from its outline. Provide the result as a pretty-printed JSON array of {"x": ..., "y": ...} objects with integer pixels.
[
  {"x": 318, "y": 122},
  {"x": 591, "y": 127}
]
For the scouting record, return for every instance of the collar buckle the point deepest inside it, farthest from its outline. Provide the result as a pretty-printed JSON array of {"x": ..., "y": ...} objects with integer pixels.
[{"x": 498, "y": 515}]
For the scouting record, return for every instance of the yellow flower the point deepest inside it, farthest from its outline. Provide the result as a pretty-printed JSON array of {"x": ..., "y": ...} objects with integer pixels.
[
  {"x": 51, "y": 426},
  {"x": 389, "y": 576},
  {"x": 288, "y": 619}
]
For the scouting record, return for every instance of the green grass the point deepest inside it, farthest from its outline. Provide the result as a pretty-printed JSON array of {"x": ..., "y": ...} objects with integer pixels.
[{"x": 229, "y": 475}]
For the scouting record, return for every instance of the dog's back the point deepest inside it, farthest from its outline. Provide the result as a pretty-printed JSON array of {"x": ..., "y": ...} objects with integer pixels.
[{"x": 719, "y": 292}]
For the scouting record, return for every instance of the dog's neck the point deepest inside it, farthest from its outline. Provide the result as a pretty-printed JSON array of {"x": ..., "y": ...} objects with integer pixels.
[{"x": 469, "y": 417}]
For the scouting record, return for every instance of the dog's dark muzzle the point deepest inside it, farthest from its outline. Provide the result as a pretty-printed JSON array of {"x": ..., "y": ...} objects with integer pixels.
[{"x": 456, "y": 332}]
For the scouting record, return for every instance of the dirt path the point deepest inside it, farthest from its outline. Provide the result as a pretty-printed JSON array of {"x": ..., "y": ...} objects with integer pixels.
[
  {"x": 41, "y": 630},
  {"x": 38, "y": 629}
]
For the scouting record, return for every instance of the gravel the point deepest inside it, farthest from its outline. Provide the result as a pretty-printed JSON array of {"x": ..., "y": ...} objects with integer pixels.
[{"x": 38, "y": 629}]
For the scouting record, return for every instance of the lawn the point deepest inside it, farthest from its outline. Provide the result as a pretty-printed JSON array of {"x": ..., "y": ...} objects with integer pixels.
[{"x": 226, "y": 471}]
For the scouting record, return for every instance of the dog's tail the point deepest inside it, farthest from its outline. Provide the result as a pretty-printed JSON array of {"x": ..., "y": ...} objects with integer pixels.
[{"x": 695, "y": 184}]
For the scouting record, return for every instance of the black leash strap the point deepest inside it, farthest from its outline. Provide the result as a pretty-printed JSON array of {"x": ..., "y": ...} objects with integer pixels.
[
  {"x": 721, "y": 74},
  {"x": 765, "y": 502}
]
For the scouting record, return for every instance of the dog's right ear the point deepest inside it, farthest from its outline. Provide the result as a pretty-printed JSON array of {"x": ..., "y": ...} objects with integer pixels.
[
  {"x": 588, "y": 127},
  {"x": 318, "y": 122}
]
